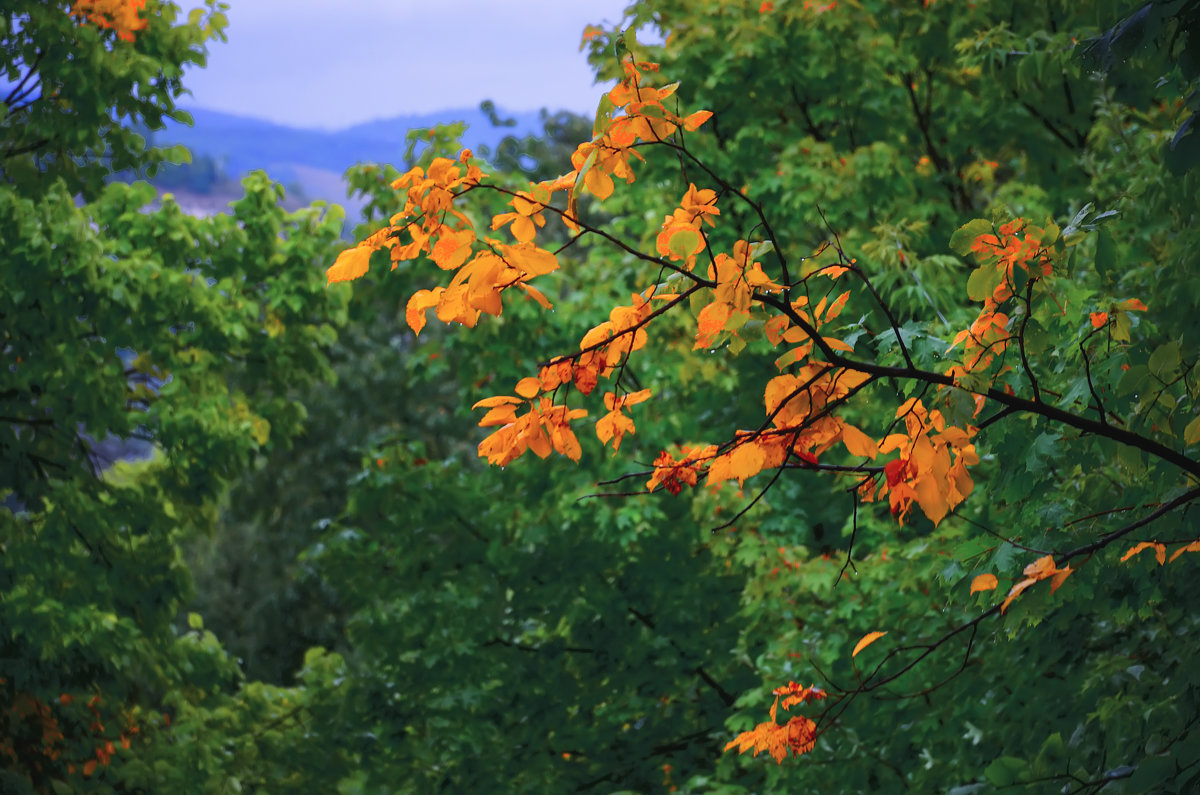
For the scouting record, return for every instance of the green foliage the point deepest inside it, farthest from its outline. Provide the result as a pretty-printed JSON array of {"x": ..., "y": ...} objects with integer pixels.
[{"x": 132, "y": 328}]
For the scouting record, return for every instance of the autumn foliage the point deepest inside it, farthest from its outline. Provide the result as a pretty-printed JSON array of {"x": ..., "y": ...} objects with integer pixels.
[
  {"x": 124, "y": 17},
  {"x": 923, "y": 458}
]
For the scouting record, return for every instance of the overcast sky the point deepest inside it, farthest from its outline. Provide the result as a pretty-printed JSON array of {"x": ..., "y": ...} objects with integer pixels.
[{"x": 316, "y": 63}]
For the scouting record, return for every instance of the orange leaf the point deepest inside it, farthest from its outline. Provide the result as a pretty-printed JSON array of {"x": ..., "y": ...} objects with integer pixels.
[
  {"x": 421, "y": 301},
  {"x": 858, "y": 443},
  {"x": 497, "y": 400},
  {"x": 1099, "y": 319},
  {"x": 1192, "y": 547},
  {"x": 1160, "y": 551},
  {"x": 712, "y": 322},
  {"x": 746, "y": 461},
  {"x": 1132, "y": 304},
  {"x": 1041, "y": 568},
  {"x": 692, "y": 122},
  {"x": 452, "y": 248},
  {"x": 866, "y": 641},
  {"x": 984, "y": 582},
  {"x": 529, "y": 387},
  {"x": 1016, "y": 590},
  {"x": 1059, "y": 577}
]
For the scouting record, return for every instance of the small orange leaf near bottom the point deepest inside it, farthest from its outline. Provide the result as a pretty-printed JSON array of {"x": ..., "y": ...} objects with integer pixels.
[
  {"x": 866, "y": 641},
  {"x": 984, "y": 582}
]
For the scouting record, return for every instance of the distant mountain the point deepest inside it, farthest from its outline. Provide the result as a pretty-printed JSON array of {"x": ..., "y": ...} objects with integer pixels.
[{"x": 316, "y": 159}]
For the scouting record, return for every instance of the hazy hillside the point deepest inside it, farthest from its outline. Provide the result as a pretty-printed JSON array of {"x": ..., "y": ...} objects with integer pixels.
[{"x": 316, "y": 159}]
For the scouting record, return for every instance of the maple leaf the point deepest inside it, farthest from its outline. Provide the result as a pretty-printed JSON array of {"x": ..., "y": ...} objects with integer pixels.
[{"x": 798, "y": 735}]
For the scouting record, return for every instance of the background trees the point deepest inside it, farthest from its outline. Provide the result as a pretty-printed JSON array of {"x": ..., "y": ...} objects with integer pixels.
[{"x": 139, "y": 328}]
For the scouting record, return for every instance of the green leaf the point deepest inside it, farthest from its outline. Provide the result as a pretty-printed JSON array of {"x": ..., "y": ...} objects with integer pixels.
[
  {"x": 983, "y": 281},
  {"x": 964, "y": 236},
  {"x": 1106, "y": 251},
  {"x": 1005, "y": 771},
  {"x": 1164, "y": 362}
]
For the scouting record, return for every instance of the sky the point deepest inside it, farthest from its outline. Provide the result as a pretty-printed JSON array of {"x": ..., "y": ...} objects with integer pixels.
[{"x": 316, "y": 63}]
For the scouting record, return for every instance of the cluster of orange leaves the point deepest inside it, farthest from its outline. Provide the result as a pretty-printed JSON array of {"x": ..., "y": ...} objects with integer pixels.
[
  {"x": 122, "y": 16},
  {"x": 798, "y": 735},
  {"x": 1044, "y": 568},
  {"x": 39, "y": 718},
  {"x": 485, "y": 267},
  {"x": 988, "y": 335},
  {"x": 800, "y": 403},
  {"x": 932, "y": 468},
  {"x": 1160, "y": 551}
]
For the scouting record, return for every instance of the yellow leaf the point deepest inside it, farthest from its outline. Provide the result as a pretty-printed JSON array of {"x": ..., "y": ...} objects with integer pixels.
[
  {"x": 531, "y": 259},
  {"x": 1191, "y": 434},
  {"x": 866, "y": 641},
  {"x": 984, "y": 582},
  {"x": 680, "y": 242},
  {"x": 598, "y": 183},
  {"x": 350, "y": 264},
  {"x": 452, "y": 248},
  {"x": 536, "y": 295}
]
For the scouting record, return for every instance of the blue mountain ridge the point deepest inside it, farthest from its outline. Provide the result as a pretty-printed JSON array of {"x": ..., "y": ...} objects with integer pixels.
[{"x": 242, "y": 144}]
